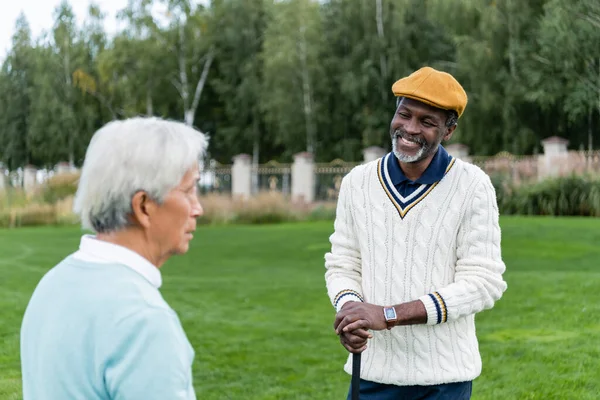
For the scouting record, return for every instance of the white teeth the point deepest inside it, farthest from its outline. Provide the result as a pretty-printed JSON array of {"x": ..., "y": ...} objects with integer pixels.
[{"x": 398, "y": 135}]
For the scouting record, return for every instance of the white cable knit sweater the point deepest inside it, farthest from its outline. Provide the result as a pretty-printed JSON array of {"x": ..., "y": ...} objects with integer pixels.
[{"x": 445, "y": 251}]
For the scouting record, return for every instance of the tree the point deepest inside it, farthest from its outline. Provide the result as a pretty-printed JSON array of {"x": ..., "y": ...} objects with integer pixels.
[
  {"x": 88, "y": 77},
  {"x": 60, "y": 119},
  {"x": 278, "y": 77},
  {"x": 16, "y": 80},
  {"x": 568, "y": 38},
  {"x": 494, "y": 41},
  {"x": 293, "y": 72},
  {"x": 369, "y": 45},
  {"x": 179, "y": 30},
  {"x": 239, "y": 75}
]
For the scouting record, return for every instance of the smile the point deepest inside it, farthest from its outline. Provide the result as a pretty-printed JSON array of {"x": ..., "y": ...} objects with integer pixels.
[{"x": 407, "y": 142}]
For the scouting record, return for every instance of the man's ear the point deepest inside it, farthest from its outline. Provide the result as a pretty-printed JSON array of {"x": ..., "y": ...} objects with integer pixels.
[
  {"x": 142, "y": 208},
  {"x": 449, "y": 132}
]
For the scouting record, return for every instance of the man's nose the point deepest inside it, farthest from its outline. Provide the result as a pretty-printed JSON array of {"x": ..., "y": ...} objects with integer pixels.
[
  {"x": 197, "y": 210},
  {"x": 412, "y": 126}
]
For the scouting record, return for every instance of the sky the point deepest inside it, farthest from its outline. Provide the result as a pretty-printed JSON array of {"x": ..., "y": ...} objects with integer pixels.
[{"x": 39, "y": 14}]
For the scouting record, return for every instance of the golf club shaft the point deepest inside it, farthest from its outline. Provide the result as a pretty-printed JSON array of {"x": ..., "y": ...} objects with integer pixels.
[{"x": 355, "y": 386}]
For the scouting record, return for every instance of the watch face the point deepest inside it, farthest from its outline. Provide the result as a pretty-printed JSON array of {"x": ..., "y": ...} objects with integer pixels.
[{"x": 390, "y": 313}]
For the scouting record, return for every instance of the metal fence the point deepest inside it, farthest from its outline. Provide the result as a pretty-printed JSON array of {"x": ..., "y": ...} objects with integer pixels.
[
  {"x": 328, "y": 178},
  {"x": 216, "y": 179},
  {"x": 506, "y": 166},
  {"x": 273, "y": 176},
  {"x": 521, "y": 169},
  {"x": 581, "y": 162}
]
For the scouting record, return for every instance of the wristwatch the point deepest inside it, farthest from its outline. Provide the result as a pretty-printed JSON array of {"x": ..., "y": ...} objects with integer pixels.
[{"x": 390, "y": 316}]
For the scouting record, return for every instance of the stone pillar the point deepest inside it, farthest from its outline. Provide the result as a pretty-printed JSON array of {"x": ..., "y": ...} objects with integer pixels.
[
  {"x": 29, "y": 178},
  {"x": 303, "y": 178},
  {"x": 2, "y": 179},
  {"x": 555, "y": 158},
  {"x": 372, "y": 153},
  {"x": 62, "y": 168},
  {"x": 459, "y": 150},
  {"x": 241, "y": 176}
]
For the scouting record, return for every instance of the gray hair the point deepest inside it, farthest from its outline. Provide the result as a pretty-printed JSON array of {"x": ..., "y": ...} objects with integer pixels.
[
  {"x": 138, "y": 154},
  {"x": 451, "y": 118}
]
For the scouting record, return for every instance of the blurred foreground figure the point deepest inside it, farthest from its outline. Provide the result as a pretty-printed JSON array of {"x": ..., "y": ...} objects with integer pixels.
[
  {"x": 416, "y": 253},
  {"x": 97, "y": 326}
]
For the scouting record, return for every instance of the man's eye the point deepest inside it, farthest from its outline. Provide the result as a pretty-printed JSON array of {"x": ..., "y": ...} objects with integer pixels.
[
  {"x": 427, "y": 123},
  {"x": 403, "y": 115}
]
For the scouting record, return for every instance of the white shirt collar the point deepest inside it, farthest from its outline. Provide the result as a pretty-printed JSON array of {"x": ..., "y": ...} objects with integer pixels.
[{"x": 98, "y": 251}]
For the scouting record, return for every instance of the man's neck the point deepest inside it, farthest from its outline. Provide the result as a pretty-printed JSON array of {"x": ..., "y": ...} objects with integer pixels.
[
  {"x": 134, "y": 240},
  {"x": 414, "y": 170}
]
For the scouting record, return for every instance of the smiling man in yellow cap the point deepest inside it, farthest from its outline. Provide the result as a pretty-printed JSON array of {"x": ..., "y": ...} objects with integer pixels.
[{"x": 416, "y": 253}]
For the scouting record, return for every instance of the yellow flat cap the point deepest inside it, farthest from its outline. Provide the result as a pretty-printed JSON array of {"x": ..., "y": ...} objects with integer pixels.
[{"x": 433, "y": 87}]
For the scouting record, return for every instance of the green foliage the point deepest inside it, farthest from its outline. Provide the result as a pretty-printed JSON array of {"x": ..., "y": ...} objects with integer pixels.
[
  {"x": 366, "y": 50},
  {"x": 5, "y": 218},
  {"x": 16, "y": 80},
  {"x": 538, "y": 342},
  {"x": 322, "y": 212},
  {"x": 238, "y": 75},
  {"x": 298, "y": 75},
  {"x": 268, "y": 217},
  {"x": 564, "y": 196},
  {"x": 568, "y": 38},
  {"x": 291, "y": 54}
]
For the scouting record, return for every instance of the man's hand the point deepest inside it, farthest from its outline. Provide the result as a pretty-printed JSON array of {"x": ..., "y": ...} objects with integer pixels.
[
  {"x": 355, "y": 316},
  {"x": 355, "y": 341}
]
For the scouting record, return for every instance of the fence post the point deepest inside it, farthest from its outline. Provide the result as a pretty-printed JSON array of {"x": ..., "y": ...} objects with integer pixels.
[
  {"x": 29, "y": 178},
  {"x": 241, "y": 176},
  {"x": 2, "y": 179},
  {"x": 62, "y": 167},
  {"x": 303, "y": 178},
  {"x": 555, "y": 158},
  {"x": 372, "y": 153}
]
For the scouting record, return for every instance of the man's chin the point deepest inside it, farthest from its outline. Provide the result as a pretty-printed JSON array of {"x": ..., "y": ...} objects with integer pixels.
[
  {"x": 182, "y": 249},
  {"x": 408, "y": 158}
]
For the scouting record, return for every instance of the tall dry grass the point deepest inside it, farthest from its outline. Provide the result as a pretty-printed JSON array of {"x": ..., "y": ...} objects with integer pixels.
[
  {"x": 49, "y": 204},
  {"x": 52, "y": 204},
  {"x": 263, "y": 208},
  {"x": 57, "y": 188},
  {"x": 12, "y": 197}
]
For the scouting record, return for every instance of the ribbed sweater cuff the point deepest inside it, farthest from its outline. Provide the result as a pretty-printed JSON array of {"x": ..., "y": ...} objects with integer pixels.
[
  {"x": 344, "y": 297},
  {"x": 436, "y": 308}
]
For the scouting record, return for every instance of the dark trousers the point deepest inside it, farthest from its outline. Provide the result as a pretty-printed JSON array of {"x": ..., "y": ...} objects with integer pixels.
[{"x": 379, "y": 391}]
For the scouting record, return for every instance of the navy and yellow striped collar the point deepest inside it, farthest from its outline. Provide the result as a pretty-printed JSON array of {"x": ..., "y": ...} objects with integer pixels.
[{"x": 405, "y": 204}]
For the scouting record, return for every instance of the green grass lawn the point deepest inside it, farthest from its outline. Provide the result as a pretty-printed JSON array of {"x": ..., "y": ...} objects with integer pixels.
[{"x": 252, "y": 301}]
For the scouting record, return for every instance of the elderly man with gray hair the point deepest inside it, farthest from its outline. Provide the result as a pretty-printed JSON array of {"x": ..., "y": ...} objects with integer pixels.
[{"x": 97, "y": 326}]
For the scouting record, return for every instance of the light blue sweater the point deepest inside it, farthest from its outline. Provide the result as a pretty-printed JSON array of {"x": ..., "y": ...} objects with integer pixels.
[{"x": 102, "y": 331}]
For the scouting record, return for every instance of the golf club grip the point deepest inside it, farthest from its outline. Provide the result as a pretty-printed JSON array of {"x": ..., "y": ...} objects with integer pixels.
[{"x": 355, "y": 376}]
